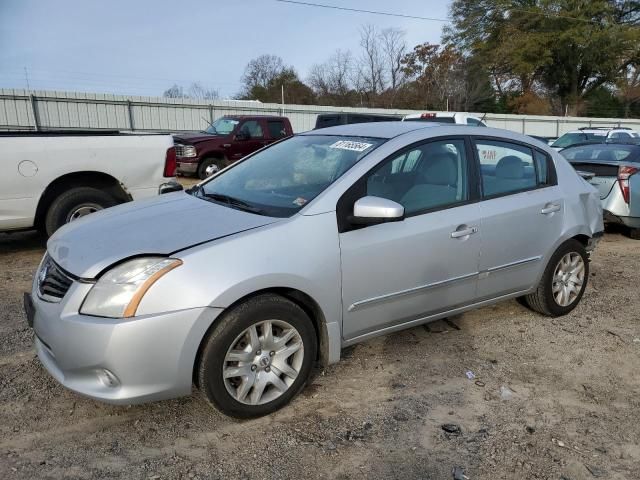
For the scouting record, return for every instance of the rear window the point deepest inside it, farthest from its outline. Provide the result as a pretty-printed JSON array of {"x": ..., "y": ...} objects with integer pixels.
[
  {"x": 432, "y": 119},
  {"x": 597, "y": 152},
  {"x": 569, "y": 139}
]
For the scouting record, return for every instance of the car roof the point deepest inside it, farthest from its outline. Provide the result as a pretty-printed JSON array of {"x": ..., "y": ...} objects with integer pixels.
[
  {"x": 373, "y": 129},
  {"x": 388, "y": 130}
]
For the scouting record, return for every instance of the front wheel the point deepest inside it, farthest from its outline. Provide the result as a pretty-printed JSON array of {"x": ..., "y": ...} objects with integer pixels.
[
  {"x": 563, "y": 282},
  {"x": 209, "y": 166},
  {"x": 258, "y": 357}
]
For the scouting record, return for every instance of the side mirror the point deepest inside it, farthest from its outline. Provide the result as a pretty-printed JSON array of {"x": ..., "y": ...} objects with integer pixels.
[
  {"x": 242, "y": 135},
  {"x": 373, "y": 210},
  {"x": 169, "y": 187}
]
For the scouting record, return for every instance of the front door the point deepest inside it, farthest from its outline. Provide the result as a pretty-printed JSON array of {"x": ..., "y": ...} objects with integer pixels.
[
  {"x": 393, "y": 273},
  {"x": 249, "y": 137},
  {"x": 521, "y": 210}
]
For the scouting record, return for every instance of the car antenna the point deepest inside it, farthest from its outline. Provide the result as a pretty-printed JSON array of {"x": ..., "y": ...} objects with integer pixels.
[{"x": 210, "y": 124}]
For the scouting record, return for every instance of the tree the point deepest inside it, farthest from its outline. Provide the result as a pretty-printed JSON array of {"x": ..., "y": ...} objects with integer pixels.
[
  {"x": 370, "y": 75},
  {"x": 260, "y": 71},
  {"x": 295, "y": 91},
  {"x": 332, "y": 81},
  {"x": 195, "y": 92},
  {"x": 568, "y": 47},
  {"x": 199, "y": 92},
  {"x": 174, "y": 91}
]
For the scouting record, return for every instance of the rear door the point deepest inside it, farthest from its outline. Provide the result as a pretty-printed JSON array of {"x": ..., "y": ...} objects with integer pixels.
[
  {"x": 521, "y": 210},
  {"x": 276, "y": 129}
]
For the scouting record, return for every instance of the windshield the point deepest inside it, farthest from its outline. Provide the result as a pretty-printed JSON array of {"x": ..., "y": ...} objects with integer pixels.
[
  {"x": 222, "y": 126},
  {"x": 569, "y": 139},
  {"x": 598, "y": 152},
  {"x": 283, "y": 178}
]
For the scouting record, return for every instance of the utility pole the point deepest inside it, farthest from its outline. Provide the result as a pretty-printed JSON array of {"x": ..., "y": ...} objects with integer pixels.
[
  {"x": 26, "y": 78},
  {"x": 282, "y": 98}
]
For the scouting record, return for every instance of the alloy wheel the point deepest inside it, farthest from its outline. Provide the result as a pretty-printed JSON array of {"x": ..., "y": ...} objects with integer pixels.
[
  {"x": 263, "y": 362},
  {"x": 568, "y": 279}
]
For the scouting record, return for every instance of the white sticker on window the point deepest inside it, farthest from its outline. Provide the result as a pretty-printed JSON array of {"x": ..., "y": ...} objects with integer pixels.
[{"x": 349, "y": 145}]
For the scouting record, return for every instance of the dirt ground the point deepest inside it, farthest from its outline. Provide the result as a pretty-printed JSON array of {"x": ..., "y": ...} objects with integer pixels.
[{"x": 571, "y": 411}]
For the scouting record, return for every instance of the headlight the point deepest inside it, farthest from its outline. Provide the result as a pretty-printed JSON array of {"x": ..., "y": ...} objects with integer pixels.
[
  {"x": 118, "y": 292},
  {"x": 186, "y": 151}
]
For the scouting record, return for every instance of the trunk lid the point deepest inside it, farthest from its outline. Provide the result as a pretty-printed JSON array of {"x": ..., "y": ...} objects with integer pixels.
[{"x": 605, "y": 178}]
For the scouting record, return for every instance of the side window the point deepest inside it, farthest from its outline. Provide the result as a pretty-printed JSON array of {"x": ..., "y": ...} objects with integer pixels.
[
  {"x": 276, "y": 129},
  {"x": 473, "y": 121},
  {"x": 252, "y": 128},
  {"x": 505, "y": 167},
  {"x": 619, "y": 135},
  {"x": 544, "y": 169},
  {"x": 432, "y": 175}
]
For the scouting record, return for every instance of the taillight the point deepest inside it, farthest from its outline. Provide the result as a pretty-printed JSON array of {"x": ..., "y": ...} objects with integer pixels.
[
  {"x": 428, "y": 115},
  {"x": 170, "y": 164},
  {"x": 624, "y": 172}
]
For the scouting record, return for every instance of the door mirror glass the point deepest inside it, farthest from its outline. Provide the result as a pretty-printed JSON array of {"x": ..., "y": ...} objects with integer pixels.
[{"x": 371, "y": 210}]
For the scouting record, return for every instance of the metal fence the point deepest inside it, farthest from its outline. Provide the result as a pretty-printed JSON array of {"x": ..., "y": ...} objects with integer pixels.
[{"x": 43, "y": 110}]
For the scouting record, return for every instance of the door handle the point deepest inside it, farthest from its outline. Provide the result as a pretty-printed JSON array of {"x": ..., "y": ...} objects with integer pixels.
[
  {"x": 464, "y": 232},
  {"x": 550, "y": 208}
]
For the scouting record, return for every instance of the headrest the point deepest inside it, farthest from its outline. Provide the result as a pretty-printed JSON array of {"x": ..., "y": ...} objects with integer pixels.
[
  {"x": 441, "y": 169},
  {"x": 510, "y": 167},
  {"x": 606, "y": 155}
]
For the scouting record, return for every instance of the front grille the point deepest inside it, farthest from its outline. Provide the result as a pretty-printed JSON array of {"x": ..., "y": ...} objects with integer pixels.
[
  {"x": 52, "y": 280},
  {"x": 179, "y": 150}
]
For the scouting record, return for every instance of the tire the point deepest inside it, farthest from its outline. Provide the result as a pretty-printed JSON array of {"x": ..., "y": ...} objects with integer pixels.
[
  {"x": 239, "y": 395},
  {"x": 207, "y": 162},
  {"x": 634, "y": 233},
  {"x": 544, "y": 300},
  {"x": 71, "y": 203}
]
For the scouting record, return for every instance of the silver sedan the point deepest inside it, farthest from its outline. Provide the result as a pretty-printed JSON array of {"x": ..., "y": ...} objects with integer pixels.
[{"x": 320, "y": 241}]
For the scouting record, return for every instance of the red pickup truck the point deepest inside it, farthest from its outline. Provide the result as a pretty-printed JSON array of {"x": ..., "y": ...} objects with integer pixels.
[{"x": 226, "y": 140}]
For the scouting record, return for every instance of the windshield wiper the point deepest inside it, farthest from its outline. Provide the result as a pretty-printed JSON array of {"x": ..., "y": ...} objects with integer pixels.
[{"x": 232, "y": 202}]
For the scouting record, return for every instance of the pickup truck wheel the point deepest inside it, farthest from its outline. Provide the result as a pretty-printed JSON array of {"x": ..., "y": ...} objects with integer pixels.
[
  {"x": 75, "y": 203},
  {"x": 209, "y": 162},
  {"x": 257, "y": 357},
  {"x": 634, "y": 233},
  {"x": 563, "y": 282}
]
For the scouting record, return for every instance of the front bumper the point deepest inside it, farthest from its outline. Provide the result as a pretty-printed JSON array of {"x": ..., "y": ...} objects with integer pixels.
[
  {"x": 119, "y": 361},
  {"x": 187, "y": 166}
]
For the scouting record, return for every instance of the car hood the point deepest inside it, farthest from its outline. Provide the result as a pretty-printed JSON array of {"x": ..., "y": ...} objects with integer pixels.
[
  {"x": 159, "y": 226},
  {"x": 193, "y": 138}
]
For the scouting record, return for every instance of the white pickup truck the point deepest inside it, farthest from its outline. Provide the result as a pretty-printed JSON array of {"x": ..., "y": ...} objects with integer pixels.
[{"x": 48, "y": 179}]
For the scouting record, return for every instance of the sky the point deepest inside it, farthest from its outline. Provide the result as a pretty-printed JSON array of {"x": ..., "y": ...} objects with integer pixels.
[{"x": 142, "y": 47}]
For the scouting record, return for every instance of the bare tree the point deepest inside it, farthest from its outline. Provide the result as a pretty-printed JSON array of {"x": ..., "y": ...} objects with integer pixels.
[
  {"x": 332, "y": 77},
  {"x": 394, "y": 48},
  {"x": 197, "y": 91},
  {"x": 175, "y": 91},
  {"x": 371, "y": 60},
  {"x": 262, "y": 70}
]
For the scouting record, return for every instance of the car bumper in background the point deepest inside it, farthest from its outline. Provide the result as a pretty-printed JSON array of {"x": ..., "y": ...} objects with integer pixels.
[
  {"x": 120, "y": 361},
  {"x": 187, "y": 167},
  {"x": 631, "y": 222}
]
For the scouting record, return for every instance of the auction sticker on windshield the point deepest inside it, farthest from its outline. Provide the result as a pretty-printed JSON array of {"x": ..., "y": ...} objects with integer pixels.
[{"x": 353, "y": 146}]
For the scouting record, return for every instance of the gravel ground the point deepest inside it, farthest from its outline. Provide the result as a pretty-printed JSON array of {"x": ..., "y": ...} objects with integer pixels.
[{"x": 570, "y": 411}]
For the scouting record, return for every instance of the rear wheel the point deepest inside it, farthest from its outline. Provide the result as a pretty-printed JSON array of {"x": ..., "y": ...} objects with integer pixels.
[
  {"x": 258, "y": 357},
  {"x": 563, "y": 282},
  {"x": 73, "y": 204},
  {"x": 634, "y": 233}
]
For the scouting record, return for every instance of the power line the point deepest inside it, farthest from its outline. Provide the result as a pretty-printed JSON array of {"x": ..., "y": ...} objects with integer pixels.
[
  {"x": 416, "y": 17},
  {"x": 374, "y": 12}
]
